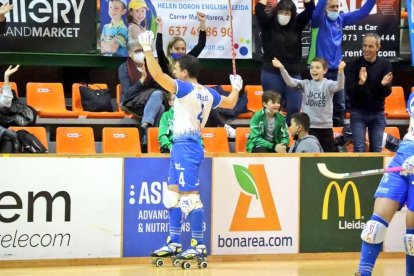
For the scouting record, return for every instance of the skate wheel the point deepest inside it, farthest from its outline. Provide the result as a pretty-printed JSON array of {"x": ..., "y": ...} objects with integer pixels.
[
  {"x": 202, "y": 265},
  {"x": 159, "y": 262},
  {"x": 186, "y": 265},
  {"x": 176, "y": 262}
]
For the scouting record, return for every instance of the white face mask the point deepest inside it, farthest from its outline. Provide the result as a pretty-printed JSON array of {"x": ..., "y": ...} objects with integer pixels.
[
  {"x": 283, "y": 19},
  {"x": 332, "y": 15},
  {"x": 138, "y": 57}
]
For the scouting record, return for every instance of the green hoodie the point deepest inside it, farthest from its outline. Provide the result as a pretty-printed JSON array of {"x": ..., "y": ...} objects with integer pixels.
[
  {"x": 258, "y": 130},
  {"x": 165, "y": 130}
]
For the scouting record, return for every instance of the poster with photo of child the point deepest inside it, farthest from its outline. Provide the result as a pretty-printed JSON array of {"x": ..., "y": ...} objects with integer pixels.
[{"x": 124, "y": 20}]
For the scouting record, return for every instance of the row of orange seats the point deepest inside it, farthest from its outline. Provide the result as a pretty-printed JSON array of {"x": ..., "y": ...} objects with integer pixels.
[
  {"x": 119, "y": 140},
  {"x": 126, "y": 140},
  {"x": 49, "y": 100}
]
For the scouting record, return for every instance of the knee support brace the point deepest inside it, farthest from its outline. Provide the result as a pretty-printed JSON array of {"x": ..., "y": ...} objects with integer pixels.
[
  {"x": 171, "y": 199},
  {"x": 409, "y": 244},
  {"x": 190, "y": 202},
  {"x": 374, "y": 232}
]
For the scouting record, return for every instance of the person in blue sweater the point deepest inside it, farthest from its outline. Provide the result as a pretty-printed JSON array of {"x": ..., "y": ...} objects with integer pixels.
[{"x": 326, "y": 31}]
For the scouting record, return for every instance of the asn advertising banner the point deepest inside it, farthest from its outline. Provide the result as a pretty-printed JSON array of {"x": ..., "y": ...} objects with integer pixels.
[
  {"x": 145, "y": 217},
  {"x": 60, "y": 208},
  {"x": 334, "y": 212},
  {"x": 255, "y": 206},
  {"x": 64, "y": 26}
]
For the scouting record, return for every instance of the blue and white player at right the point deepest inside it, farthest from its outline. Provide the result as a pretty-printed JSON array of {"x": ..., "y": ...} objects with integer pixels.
[
  {"x": 394, "y": 191},
  {"x": 192, "y": 106}
]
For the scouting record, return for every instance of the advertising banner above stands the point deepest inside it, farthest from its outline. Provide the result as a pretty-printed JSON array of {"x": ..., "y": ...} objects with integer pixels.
[
  {"x": 383, "y": 20},
  {"x": 255, "y": 206},
  {"x": 65, "y": 26},
  {"x": 179, "y": 19},
  {"x": 60, "y": 208},
  {"x": 334, "y": 212},
  {"x": 145, "y": 217}
]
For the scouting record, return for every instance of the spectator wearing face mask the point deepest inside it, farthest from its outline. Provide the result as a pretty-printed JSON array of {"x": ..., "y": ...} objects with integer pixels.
[
  {"x": 281, "y": 33},
  {"x": 140, "y": 95},
  {"x": 327, "y": 24},
  {"x": 177, "y": 46}
]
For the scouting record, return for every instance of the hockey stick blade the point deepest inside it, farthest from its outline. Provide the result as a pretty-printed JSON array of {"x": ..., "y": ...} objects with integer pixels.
[{"x": 325, "y": 172}]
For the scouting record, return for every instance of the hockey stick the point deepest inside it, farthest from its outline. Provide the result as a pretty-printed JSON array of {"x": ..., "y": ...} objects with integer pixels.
[
  {"x": 233, "y": 51},
  {"x": 325, "y": 172}
]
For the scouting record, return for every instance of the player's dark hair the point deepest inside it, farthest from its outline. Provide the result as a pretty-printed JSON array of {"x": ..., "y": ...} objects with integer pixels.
[
  {"x": 301, "y": 118},
  {"x": 191, "y": 64}
]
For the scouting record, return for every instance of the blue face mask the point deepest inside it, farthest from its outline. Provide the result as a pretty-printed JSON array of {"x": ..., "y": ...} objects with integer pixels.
[
  {"x": 176, "y": 56},
  {"x": 332, "y": 15}
]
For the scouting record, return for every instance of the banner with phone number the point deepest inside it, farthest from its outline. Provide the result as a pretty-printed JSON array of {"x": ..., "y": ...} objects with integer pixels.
[
  {"x": 384, "y": 20},
  {"x": 180, "y": 19}
]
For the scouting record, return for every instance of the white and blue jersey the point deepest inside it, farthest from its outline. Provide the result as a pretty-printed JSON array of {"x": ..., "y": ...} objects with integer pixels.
[
  {"x": 192, "y": 106},
  {"x": 395, "y": 186}
]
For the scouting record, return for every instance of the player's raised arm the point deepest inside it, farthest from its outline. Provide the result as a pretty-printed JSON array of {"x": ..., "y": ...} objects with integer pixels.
[
  {"x": 146, "y": 40},
  {"x": 231, "y": 100}
]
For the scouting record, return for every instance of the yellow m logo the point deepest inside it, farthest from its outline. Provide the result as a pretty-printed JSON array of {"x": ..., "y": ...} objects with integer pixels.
[{"x": 341, "y": 194}]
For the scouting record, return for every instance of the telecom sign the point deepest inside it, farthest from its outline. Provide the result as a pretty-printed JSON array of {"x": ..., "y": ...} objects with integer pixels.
[{"x": 333, "y": 212}]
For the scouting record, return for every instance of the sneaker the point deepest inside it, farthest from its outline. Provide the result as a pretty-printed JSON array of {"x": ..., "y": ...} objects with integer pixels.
[
  {"x": 193, "y": 252},
  {"x": 170, "y": 249},
  {"x": 231, "y": 132}
]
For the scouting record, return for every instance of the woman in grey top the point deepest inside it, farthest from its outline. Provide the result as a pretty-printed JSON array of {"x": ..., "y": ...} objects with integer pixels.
[{"x": 317, "y": 99}]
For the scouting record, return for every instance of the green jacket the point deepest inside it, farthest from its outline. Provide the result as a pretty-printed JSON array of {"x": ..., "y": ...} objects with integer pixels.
[
  {"x": 165, "y": 130},
  {"x": 258, "y": 130}
]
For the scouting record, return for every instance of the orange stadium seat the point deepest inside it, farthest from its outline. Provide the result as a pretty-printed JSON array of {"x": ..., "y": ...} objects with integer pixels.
[
  {"x": 242, "y": 134},
  {"x": 395, "y": 107},
  {"x": 153, "y": 146},
  {"x": 393, "y": 131},
  {"x": 215, "y": 139},
  {"x": 121, "y": 140},
  {"x": 337, "y": 131},
  {"x": 48, "y": 99},
  {"x": 39, "y": 132},
  {"x": 75, "y": 140},
  {"x": 254, "y": 97},
  {"x": 77, "y": 103},
  {"x": 118, "y": 100},
  {"x": 254, "y": 100},
  {"x": 13, "y": 86}
]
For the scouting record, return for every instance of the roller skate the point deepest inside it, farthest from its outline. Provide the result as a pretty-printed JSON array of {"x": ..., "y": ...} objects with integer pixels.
[
  {"x": 196, "y": 252},
  {"x": 170, "y": 250}
]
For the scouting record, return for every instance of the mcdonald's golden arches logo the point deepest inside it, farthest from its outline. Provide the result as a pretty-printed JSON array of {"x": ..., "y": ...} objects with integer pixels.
[
  {"x": 254, "y": 183},
  {"x": 341, "y": 195}
]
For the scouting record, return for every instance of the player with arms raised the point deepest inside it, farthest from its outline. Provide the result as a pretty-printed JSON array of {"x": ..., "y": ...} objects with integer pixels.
[{"x": 191, "y": 109}]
